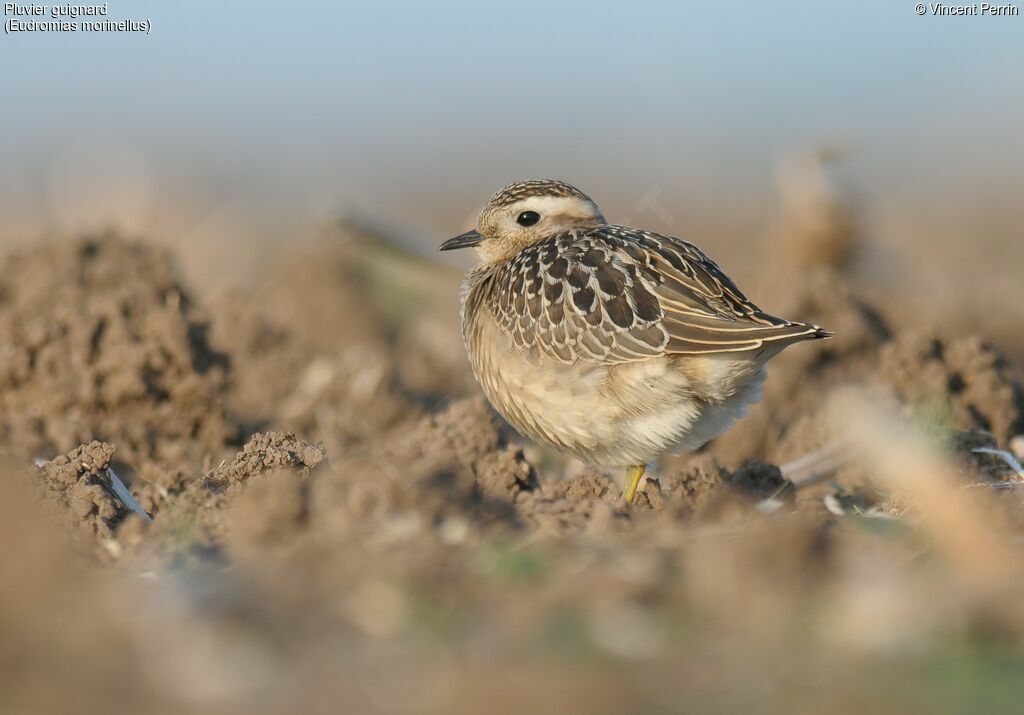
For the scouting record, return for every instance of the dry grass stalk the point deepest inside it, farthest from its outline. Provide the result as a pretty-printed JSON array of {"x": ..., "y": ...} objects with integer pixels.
[{"x": 962, "y": 529}]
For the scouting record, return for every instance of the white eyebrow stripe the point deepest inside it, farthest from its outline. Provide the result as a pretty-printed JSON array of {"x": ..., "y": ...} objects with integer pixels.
[{"x": 557, "y": 206}]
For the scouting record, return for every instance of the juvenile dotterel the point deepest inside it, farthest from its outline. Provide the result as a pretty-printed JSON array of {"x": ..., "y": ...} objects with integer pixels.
[{"x": 612, "y": 343}]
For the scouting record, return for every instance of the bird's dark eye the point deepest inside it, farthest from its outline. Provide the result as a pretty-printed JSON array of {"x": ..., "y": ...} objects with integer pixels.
[{"x": 528, "y": 218}]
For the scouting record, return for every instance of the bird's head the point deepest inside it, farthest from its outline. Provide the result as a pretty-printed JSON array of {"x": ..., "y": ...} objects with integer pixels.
[{"x": 525, "y": 213}]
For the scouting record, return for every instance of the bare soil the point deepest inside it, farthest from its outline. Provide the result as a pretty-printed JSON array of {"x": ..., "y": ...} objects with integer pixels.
[{"x": 341, "y": 523}]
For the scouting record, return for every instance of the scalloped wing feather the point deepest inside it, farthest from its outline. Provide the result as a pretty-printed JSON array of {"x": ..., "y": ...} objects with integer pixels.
[{"x": 613, "y": 294}]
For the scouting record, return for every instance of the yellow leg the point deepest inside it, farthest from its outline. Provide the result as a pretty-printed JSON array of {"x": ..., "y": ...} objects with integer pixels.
[{"x": 633, "y": 477}]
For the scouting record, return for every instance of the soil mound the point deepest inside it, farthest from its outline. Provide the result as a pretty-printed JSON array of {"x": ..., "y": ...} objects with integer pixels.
[{"x": 102, "y": 342}]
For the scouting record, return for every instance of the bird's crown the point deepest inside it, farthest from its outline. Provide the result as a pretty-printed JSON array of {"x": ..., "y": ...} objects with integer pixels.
[{"x": 535, "y": 188}]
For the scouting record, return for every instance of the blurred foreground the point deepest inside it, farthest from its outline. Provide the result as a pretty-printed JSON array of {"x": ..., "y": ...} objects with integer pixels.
[{"x": 340, "y": 524}]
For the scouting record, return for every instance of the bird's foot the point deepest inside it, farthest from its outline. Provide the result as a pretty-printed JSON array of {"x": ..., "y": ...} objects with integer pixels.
[{"x": 633, "y": 477}]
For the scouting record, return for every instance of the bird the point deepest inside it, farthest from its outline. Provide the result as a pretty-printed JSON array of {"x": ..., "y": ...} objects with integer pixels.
[{"x": 611, "y": 343}]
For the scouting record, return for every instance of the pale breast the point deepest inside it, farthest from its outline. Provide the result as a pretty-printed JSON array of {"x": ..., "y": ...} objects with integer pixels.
[{"x": 550, "y": 402}]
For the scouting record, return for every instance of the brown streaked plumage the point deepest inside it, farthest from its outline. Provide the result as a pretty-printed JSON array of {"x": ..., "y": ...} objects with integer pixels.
[{"x": 612, "y": 343}]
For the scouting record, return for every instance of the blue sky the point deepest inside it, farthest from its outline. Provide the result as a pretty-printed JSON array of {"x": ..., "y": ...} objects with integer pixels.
[{"x": 422, "y": 105}]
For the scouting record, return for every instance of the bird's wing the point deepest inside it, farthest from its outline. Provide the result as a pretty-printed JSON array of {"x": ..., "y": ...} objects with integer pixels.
[{"x": 613, "y": 294}]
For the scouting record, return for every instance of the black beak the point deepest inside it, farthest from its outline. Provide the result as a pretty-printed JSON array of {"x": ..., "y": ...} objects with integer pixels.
[{"x": 466, "y": 240}]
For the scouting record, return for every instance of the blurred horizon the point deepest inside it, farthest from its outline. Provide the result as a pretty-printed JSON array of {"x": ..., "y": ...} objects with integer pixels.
[{"x": 249, "y": 126}]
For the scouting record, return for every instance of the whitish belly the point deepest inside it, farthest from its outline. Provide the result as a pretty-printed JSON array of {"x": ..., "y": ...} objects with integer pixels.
[{"x": 611, "y": 416}]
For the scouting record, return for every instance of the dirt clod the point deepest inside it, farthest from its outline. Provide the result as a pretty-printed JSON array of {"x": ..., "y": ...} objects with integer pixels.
[
  {"x": 263, "y": 453},
  {"x": 79, "y": 487},
  {"x": 465, "y": 436}
]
